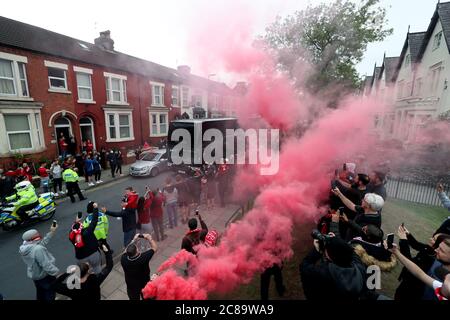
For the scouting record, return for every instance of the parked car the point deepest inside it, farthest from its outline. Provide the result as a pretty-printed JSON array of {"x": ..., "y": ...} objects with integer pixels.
[{"x": 151, "y": 163}]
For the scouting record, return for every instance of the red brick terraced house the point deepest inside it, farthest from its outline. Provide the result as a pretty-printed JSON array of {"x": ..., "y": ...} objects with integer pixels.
[{"x": 52, "y": 84}]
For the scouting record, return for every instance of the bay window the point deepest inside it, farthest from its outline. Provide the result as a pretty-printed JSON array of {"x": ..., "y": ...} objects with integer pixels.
[{"x": 159, "y": 123}]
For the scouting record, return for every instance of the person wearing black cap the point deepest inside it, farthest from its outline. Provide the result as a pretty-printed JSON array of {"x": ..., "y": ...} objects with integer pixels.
[
  {"x": 333, "y": 270},
  {"x": 85, "y": 243},
  {"x": 40, "y": 262},
  {"x": 410, "y": 287}
]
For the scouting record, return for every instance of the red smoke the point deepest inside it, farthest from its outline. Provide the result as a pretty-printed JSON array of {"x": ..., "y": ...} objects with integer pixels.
[{"x": 264, "y": 236}]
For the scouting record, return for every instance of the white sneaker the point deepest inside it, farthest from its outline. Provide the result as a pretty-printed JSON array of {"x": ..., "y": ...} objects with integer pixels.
[
  {"x": 91, "y": 184},
  {"x": 100, "y": 181},
  {"x": 97, "y": 182}
]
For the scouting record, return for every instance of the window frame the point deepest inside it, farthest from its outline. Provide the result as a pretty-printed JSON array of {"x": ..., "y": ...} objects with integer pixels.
[
  {"x": 161, "y": 87},
  {"x": 408, "y": 60},
  {"x": 117, "y": 126},
  {"x": 29, "y": 131},
  {"x": 158, "y": 124},
  {"x": 437, "y": 40},
  {"x": 16, "y": 61},
  {"x": 418, "y": 86},
  {"x": 435, "y": 75},
  {"x": 185, "y": 90},
  {"x": 400, "y": 89},
  {"x": 88, "y": 72},
  {"x": 122, "y": 88},
  {"x": 58, "y": 66},
  {"x": 177, "y": 89}
]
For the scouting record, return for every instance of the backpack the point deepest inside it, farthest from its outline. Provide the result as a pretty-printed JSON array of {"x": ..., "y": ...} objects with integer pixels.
[{"x": 76, "y": 237}]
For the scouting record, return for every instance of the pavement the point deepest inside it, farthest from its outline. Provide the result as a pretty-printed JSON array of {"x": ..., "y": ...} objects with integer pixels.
[
  {"x": 114, "y": 287},
  {"x": 106, "y": 177},
  {"x": 14, "y": 283}
]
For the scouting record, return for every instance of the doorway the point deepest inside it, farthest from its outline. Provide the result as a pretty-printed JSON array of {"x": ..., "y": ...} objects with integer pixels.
[
  {"x": 87, "y": 130},
  {"x": 63, "y": 126}
]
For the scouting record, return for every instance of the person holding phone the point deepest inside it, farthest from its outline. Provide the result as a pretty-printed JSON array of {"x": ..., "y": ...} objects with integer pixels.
[
  {"x": 102, "y": 229},
  {"x": 135, "y": 265},
  {"x": 89, "y": 282},
  {"x": 41, "y": 267},
  {"x": 85, "y": 242},
  {"x": 192, "y": 237},
  {"x": 410, "y": 288},
  {"x": 441, "y": 288}
]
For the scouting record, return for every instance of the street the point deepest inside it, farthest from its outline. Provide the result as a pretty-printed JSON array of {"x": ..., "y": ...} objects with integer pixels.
[{"x": 14, "y": 283}]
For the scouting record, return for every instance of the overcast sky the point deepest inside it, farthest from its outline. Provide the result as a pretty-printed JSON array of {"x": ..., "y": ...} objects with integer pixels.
[{"x": 157, "y": 30}]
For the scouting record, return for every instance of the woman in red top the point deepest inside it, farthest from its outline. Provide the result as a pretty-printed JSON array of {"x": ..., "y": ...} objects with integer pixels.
[
  {"x": 63, "y": 146},
  {"x": 143, "y": 210},
  {"x": 43, "y": 174},
  {"x": 89, "y": 146},
  {"x": 156, "y": 215}
]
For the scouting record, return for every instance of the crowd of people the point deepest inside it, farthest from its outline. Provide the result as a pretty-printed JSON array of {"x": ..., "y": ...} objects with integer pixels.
[
  {"x": 350, "y": 243},
  {"x": 142, "y": 219}
]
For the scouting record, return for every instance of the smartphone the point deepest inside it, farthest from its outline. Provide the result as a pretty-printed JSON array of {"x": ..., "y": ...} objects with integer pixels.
[
  {"x": 403, "y": 224},
  {"x": 390, "y": 240},
  {"x": 333, "y": 184},
  {"x": 79, "y": 214},
  {"x": 54, "y": 224},
  {"x": 196, "y": 212},
  {"x": 341, "y": 210}
]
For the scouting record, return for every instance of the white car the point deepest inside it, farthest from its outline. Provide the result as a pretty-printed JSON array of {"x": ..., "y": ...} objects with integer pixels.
[{"x": 151, "y": 163}]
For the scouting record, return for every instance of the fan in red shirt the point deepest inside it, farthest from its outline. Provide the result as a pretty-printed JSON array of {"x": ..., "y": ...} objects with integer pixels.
[
  {"x": 143, "y": 210},
  {"x": 156, "y": 214},
  {"x": 89, "y": 146},
  {"x": 25, "y": 171}
]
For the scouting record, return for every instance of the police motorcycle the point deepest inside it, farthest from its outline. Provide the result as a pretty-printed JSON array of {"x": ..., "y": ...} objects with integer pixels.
[{"x": 45, "y": 210}]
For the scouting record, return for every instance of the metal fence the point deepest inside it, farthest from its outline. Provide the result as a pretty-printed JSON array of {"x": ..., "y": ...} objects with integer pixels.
[{"x": 414, "y": 191}]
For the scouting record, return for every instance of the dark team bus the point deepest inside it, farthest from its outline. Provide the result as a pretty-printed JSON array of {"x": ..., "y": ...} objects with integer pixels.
[{"x": 196, "y": 129}]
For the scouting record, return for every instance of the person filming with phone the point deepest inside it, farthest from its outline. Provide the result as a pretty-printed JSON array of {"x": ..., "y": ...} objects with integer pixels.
[
  {"x": 81, "y": 283},
  {"x": 367, "y": 212},
  {"x": 332, "y": 269},
  {"x": 85, "y": 242},
  {"x": 135, "y": 264},
  {"x": 40, "y": 262},
  {"x": 411, "y": 288}
]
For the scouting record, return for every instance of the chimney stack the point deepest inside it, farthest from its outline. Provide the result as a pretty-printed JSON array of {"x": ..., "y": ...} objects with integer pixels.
[
  {"x": 105, "y": 41},
  {"x": 241, "y": 87},
  {"x": 184, "y": 70}
]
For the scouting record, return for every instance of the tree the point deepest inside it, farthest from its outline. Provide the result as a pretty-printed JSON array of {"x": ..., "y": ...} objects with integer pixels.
[{"x": 330, "y": 39}]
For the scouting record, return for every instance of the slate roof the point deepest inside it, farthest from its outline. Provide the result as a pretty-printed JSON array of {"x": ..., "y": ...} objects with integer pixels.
[
  {"x": 414, "y": 40},
  {"x": 367, "y": 83},
  {"x": 25, "y": 36},
  {"x": 389, "y": 65}
]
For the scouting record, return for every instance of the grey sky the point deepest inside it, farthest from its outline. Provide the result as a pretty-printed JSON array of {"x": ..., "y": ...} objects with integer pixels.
[{"x": 157, "y": 30}]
